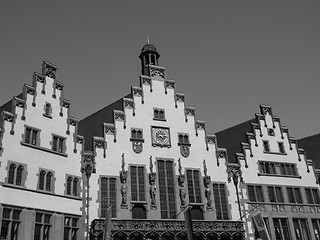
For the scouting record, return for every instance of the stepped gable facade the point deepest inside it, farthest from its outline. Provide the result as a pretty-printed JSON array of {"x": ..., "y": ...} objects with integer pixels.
[
  {"x": 279, "y": 182},
  {"x": 40, "y": 159},
  {"x": 153, "y": 158}
]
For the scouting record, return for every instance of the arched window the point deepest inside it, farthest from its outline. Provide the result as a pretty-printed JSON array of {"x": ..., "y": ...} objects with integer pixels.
[
  {"x": 153, "y": 60},
  {"x": 19, "y": 175},
  {"x": 69, "y": 183},
  {"x": 41, "y": 180},
  {"x": 11, "y": 173},
  {"x": 75, "y": 186},
  {"x": 47, "y": 110},
  {"x": 48, "y": 181}
]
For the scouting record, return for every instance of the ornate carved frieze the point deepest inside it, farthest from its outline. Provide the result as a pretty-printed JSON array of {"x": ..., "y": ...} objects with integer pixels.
[
  {"x": 88, "y": 164},
  {"x": 180, "y": 97},
  {"x": 29, "y": 89},
  {"x": 266, "y": 109},
  {"x": 169, "y": 84},
  {"x": 206, "y": 183},
  {"x": 234, "y": 172},
  {"x": 66, "y": 103},
  {"x": 137, "y": 91},
  {"x": 190, "y": 111},
  {"x": 211, "y": 139},
  {"x": 8, "y": 116},
  {"x": 49, "y": 70},
  {"x": 156, "y": 71},
  {"x": 182, "y": 190},
  {"x": 200, "y": 125},
  {"x": 153, "y": 188},
  {"x": 123, "y": 180},
  {"x": 59, "y": 85},
  {"x": 173, "y": 228}
]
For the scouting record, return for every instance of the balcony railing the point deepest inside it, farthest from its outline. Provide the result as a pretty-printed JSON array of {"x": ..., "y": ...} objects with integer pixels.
[{"x": 125, "y": 228}]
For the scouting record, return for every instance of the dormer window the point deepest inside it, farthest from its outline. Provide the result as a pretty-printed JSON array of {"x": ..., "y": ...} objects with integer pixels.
[
  {"x": 271, "y": 132},
  {"x": 281, "y": 147},
  {"x": 266, "y": 146},
  {"x": 158, "y": 114},
  {"x": 47, "y": 110}
]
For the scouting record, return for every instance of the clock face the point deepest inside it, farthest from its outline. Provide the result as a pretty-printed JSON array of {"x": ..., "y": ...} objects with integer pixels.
[{"x": 161, "y": 136}]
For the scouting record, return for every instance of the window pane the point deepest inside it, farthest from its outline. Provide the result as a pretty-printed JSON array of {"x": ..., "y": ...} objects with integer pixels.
[
  {"x": 251, "y": 193},
  {"x": 279, "y": 195},
  {"x": 259, "y": 194},
  {"x": 272, "y": 196}
]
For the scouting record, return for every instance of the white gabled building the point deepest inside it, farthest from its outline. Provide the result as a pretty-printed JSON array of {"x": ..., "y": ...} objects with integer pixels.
[
  {"x": 278, "y": 181},
  {"x": 40, "y": 159},
  {"x": 152, "y": 158}
]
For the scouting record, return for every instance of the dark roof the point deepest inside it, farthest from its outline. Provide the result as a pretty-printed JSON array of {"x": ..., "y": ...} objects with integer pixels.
[
  {"x": 231, "y": 138},
  {"x": 311, "y": 146},
  {"x": 93, "y": 125},
  {"x": 8, "y": 105},
  {"x": 148, "y": 48}
]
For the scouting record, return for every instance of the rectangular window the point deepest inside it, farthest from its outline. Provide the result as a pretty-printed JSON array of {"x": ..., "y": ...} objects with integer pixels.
[
  {"x": 10, "y": 223},
  {"x": 31, "y": 136},
  {"x": 58, "y": 144},
  {"x": 312, "y": 195},
  {"x": 275, "y": 194},
  {"x": 281, "y": 229},
  {"x": 158, "y": 114},
  {"x": 45, "y": 181},
  {"x": 108, "y": 196},
  {"x": 183, "y": 139},
  {"x": 220, "y": 201},
  {"x": 294, "y": 195},
  {"x": 193, "y": 180},
  {"x": 266, "y": 146},
  {"x": 281, "y": 147},
  {"x": 70, "y": 228},
  {"x": 137, "y": 183},
  {"x": 255, "y": 194},
  {"x": 282, "y": 169},
  {"x": 166, "y": 189},
  {"x": 316, "y": 228},
  {"x": 16, "y": 174},
  {"x": 267, "y": 167},
  {"x": 42, "y": 226},
  {"x": 72, "y": 186},
  {"x": 136, "y": 134},
  {"x": 301, "y": 229}
]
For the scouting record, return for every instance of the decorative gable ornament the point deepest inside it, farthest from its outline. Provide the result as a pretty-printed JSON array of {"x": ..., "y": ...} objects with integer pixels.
[
  {"x": 137, "y": 146},
  {"x": 185, "y": 151}
]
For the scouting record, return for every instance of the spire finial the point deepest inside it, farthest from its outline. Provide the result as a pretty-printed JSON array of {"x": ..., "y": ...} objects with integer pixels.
[{"x": 148, "y": 39}]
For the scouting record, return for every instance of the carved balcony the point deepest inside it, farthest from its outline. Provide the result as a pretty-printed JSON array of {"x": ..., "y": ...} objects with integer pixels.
[{"x": 168, "y": 229}]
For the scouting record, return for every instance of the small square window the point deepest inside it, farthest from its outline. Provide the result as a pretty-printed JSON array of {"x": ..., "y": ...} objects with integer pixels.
[
  {"x": 58, "y": 144},
  {"x": 158, "y": 114},
  {"x": 136, "y": 133},
  {"x": 266, "y": 146},
  {"x": 183, "y": 139}
]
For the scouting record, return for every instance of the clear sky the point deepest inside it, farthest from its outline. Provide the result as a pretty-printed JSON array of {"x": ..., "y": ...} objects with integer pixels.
[{"x": 226, "y": 56}]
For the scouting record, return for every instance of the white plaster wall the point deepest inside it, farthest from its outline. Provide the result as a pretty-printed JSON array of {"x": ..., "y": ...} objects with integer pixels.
[
  {"x": 13, "y": 150},
  {"x": 143, "y": 118}
]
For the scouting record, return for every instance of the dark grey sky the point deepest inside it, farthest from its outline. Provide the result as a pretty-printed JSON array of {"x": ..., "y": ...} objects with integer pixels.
[{"x": 226, "y": 56}]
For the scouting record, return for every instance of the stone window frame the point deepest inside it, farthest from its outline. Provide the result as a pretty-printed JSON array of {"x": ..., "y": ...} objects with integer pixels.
[
  {"x": 281, "y": 148},
  {"x": 58, "y": 143},
  {"x": 16, "y": 180},
  {"x": 196, "y": 193},
  {"x": 277, "y": 198},
  {"x": 71, "y": 227},
  {"x": 46, "y": 173},
  {"x": 135, "y": 134},
  {"x": 141, "y": 197},
  {"x": 75, "y": 185},
  {"x": 12, "y": 217},
  {"x": 218, "y": 200},
  {"x": 257, "y": 195},
  {"x": 33, "y": 135},
  {"x": 43, "y": 222},
  {"x": 266, "y": 146},
  {"x": 159, "y": 114},
  {"x": 182, "y": 139},
  {"x": 104, "y": 205},
  {"x": 313, "y": 196},
  {"x": 278, "y": 169},
  {"x": 296, "y": 196},
  {"x": 47, "y": 110}
]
